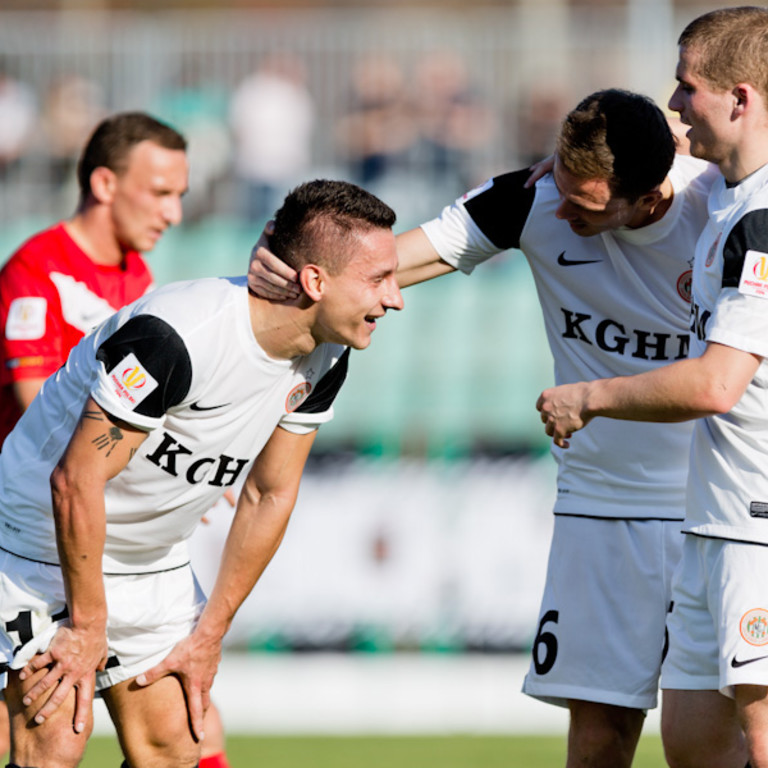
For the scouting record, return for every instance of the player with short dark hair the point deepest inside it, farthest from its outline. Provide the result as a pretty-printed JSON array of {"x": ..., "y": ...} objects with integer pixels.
[
  {"x": 609, "y": 238},
  {"x": 156, "y": 413},
  {"x": 715, "y": 675},
  {"x": 113, "y": 140},
  {"x": 618, "y": 136}
]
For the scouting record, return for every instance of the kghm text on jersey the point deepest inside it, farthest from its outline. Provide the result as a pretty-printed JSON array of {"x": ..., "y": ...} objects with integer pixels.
[{"x": 611, "y": 336}]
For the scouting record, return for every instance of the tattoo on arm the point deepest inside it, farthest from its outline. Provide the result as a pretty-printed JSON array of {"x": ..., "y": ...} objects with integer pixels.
[
  {"x": 108, "y": 440},
  {"x": 93, "y": 415}
]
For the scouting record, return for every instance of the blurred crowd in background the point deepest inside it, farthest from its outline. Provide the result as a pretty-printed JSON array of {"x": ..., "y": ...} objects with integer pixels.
[{"x": 253, "y": 141}]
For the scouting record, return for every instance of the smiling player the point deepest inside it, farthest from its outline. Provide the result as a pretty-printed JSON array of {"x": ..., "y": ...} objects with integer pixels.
[{"x": 156, "y": 413}]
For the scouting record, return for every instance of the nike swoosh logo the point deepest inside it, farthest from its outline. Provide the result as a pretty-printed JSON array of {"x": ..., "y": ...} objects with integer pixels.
[
  {"x": 736, "y": 663},
  {"x": 198, "y": 407},
  {"x": 563, "y": 262}
]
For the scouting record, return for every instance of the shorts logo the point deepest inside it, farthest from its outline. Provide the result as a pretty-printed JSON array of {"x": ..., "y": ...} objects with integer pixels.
[
  {"x": 684, "y": 285},
  {"x": 754, "y": 275},
  {"x": 131, "y": 381},
  {"x": 297, "y": 396},
  {"x": 754, "y": 626}
]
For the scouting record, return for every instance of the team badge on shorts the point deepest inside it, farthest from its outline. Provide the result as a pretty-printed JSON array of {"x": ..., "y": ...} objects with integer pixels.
[
  {"x": 754, "y": 626},
  {"x": 297, "y": 396}
]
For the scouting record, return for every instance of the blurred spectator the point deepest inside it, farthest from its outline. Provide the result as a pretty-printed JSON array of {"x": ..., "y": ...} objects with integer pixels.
[
  {"x": 377, "y": 132},
  {"x": 199, "y": 105},
  {"x": 72, "y": 108},
  {"x": 453, "y": 120},
  {"x": 540, "y": 114},
  {"x": 272, "y": 117},
  {"x": 18, "y": 113}
]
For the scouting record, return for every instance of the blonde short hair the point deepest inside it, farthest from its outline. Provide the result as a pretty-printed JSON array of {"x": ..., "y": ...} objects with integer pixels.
[{"x": 731, "y": 45}]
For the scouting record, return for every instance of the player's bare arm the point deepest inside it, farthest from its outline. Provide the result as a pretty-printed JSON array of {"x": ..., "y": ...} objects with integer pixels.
[
  {"x": 418, "y": 260},
  {"x": 26, "y": 390},
  {"x": 100, "y": 447},
  {"x": 687, "y": 389},
  {"x": 263, "y": 510}
]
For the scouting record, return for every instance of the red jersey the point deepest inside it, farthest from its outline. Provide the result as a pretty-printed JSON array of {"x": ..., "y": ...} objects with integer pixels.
[{"x": 51, "y": 295}]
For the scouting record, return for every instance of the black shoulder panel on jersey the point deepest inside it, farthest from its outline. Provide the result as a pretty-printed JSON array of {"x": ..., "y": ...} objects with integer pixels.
[
  {"x": 328, "y": 387},
  {"x": 749, "y": 234},
  {"x": 502, "y": 210},
  {"x": 160, "y": 349}
]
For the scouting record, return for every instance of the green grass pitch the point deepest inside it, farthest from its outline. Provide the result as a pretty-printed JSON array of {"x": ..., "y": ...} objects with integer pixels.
[{"x": 388, "y": 751}]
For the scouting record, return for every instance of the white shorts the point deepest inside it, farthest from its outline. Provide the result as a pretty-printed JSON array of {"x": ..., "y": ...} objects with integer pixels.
[
  {"x": 600, "y": 636},
  {"x": 147, "y": 615},
  {"x": 718, "y": 628}
]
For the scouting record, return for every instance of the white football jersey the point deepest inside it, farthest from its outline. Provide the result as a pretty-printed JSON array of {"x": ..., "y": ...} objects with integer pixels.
[
  {"x": 183, "y": 364},
  {"x": 614, "y": 304},
  {"x": 728, "y": 488}
]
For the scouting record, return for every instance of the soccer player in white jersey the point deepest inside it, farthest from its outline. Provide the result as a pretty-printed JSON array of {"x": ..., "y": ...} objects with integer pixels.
[
  {"x": 155, "y": 414},
  {"x": 609, "y": 238},
  {"x": 715, "y": 676}
]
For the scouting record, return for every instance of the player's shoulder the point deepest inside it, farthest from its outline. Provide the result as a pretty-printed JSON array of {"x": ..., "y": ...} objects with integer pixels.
[
  {"x": 693, "y": 175},
  {"x": 38, "y": 253},
  {"x": 328, "y": 355},
  {"x": 189, "y": 304},
  {"x": 332, "y": 361},
  {"x": 40, "y": 242},
  {"x": 502, "y": 187}
]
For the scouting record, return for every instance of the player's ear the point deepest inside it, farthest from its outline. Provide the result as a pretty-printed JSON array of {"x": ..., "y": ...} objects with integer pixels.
[
  {"x": 651, "y": 199},
  {"x": 103, "y": 184},
  {"x": 313, "y": 281},
  {"x": 743, "y": 94}
]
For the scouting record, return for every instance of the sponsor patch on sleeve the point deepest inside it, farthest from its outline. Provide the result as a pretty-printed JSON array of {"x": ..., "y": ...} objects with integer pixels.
[
  {"x": 754, "y": 275},
  {"x": 130, "y": 381},
  {"x": 26, "y": 318}
]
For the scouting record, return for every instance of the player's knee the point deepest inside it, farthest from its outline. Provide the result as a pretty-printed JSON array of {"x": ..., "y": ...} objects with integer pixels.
[
  {"x": 53, "y": 743},
  {"x": 173, "y": 745},
  {"x": 603, "y": 734},
  {"x": 684, "y": 754}
]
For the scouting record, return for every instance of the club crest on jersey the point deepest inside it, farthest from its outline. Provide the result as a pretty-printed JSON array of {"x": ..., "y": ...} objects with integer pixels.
[
  {"x": 754, "y": 626},
  {"x": 131, "y": 381},
  {"x": 297, "y": 396},
  {"x": 684, "y": 285},
  {"x": 754, "y": 275}
]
